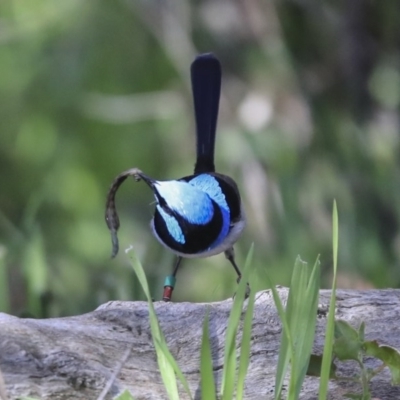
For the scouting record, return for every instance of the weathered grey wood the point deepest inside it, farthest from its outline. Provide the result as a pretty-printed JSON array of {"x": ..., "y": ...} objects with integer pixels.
[{"x": 74, "y": 357}]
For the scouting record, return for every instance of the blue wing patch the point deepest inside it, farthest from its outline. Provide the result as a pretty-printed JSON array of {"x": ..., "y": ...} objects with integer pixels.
[
  {"x": 188, "y": 201},
  {"x": 208, "y": 184},
  {"x": 224, "y": 229},
  {"x": 173, "y": 226},
  {"x": 193, "y": 201}
]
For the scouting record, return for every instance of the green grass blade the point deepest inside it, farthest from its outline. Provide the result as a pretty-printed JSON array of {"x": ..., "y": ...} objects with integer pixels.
[
  {"x": 296, "y": 298},
  {"x": 125, "y": 395},
  {"x": 228, "y": 374},
  {"x": 245, "y": 347},
  {"x": 306, "y": 329},
  {"x": 35, "y": 270},
  {"x": 228, "y": 386},
  {"x": 208, "y": 389},
  {"x": 28, "y": 398},
  {"x": 4, "y": 292},
  {"x": 171, "y": 360},
  {"x": 329, "y": 334},
  {"x": 288, "y": 317},
  {"x": 286, "y": 348},
  {"x": 168, "y": 367},
  {"x": 298, "y": 320}
]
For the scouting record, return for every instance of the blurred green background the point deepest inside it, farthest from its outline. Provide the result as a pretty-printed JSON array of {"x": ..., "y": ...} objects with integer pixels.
[{"x": 309, "y": 113}]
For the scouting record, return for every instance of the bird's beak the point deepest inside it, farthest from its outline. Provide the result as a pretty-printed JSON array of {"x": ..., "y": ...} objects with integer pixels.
[{"x": 150, "y": 181}]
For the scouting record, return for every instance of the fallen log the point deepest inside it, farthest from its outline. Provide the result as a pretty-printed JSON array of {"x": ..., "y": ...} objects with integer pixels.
[{"x": 76, "y": 357}]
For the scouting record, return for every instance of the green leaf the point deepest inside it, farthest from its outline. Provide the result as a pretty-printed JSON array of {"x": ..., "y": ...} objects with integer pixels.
[
  {"x": 355, "y": 396},
  {"x": 175, "y": 367},
  {"x": 4, "y": 287},
  {"x": 347, "y": 349},
  {"x": 296, "y": 297},
  {"x": 288, "y": 318},
  {"x": 35, "y": 270},
  {"x": 286, "y": 350},
  {"x": 389, "y": 355},
  {"x": 300, "y": 318},
  {"x": 208, "y": 390},
  {"x": 166, "y": 362},
  {"x": 361, "y": 331},
  {"x": 28, "y": 398},
  {"x": 347, "y": 345},
  {"x": 304, "y": 331},
  {"x": 125, "y": 395},
  {"x": 245, "y": 347},
  {"x": 166, "y": 370},
  {"x": 308, "y": 315},
  {"x": 344, "y": 329},
  {"x": 228, "y": 374},
  {"x": 330, "y": 326},
  {"x": 315, "y": 364}
]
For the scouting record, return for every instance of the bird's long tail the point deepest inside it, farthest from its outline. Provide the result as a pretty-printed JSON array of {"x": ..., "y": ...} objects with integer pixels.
[{"x": 206, "y": 87}]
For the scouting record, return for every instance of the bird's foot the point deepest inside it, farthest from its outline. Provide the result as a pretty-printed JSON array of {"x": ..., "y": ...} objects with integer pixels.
[{"x": 247, "y": 292}]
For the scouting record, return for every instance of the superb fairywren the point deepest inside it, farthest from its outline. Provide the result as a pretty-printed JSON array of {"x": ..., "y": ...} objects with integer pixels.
[{"x": 202, "y": 214}]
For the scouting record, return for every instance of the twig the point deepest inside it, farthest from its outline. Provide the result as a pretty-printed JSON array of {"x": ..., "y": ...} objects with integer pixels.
[{"x": 110, "y": 382}]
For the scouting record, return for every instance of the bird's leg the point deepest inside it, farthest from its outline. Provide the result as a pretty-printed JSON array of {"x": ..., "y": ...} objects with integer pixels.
[
  {"x": 230, "y": 255},
  {"x": 170, "y": 280}
]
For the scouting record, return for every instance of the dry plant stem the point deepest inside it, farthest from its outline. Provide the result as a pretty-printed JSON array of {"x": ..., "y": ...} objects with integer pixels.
[
  {"x": 111, "y": 216},
  {"x": 3, "y": 395},
  {"x": 110, "y": 382}
]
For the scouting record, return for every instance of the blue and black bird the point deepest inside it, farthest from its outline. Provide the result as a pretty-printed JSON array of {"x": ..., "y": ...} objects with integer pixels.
[{"x": 199, "y": 215}]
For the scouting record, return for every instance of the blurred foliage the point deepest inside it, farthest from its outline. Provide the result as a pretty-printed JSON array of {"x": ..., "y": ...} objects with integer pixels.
[{"x": 310, "y": 112}]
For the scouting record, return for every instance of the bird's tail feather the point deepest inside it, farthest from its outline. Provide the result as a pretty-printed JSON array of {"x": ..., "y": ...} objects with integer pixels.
[{"x": 206, "y": 86}]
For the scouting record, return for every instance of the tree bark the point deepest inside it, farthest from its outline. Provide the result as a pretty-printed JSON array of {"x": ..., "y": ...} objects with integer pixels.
[{"x": 75, "y": 357}]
